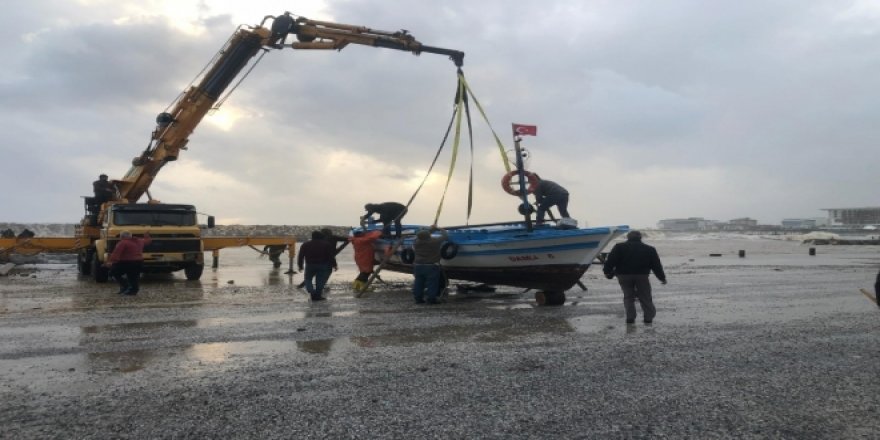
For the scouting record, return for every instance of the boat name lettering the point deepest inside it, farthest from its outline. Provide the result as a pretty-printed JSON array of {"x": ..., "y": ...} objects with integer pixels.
[{"x": 523, "y": 257}]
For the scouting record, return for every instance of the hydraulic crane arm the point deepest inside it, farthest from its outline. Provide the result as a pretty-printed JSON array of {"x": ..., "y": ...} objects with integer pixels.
[
  {"x": 175, "y": 126},
  {"x": 313, "y": 34}
]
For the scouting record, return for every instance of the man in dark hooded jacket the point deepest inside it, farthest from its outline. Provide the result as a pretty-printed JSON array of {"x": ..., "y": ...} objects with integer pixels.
[
  {"x": 877, "y": 290},
  {"x": 548, "y": 194},
  {"x": 388, "y": 212},
  {"x": 632, "y": 262},
  {"x": 103, "y": 189}
]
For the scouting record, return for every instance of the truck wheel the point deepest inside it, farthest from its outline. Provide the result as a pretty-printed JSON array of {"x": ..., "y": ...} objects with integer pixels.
[
  {"x": 194, "y": 271},
  {"x": 84, "y": 263},
  {"x": 101, "y": 273}
]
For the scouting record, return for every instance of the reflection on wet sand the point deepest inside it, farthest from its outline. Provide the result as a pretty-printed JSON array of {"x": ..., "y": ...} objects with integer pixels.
[
  {"x": 245, "y": 276},
  {"x": 319, "y": 346},
  {"x": 124, "y": 362},
  {"x": 151, "y": 295},
  {"x": 499, "y": 331},
  {"x": 129, "y": 326},
  {"x": 129, "y": 360}
]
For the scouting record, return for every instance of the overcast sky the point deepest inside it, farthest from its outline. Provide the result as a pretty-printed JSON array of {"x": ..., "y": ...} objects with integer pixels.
[{"x": 645, "y": 109}]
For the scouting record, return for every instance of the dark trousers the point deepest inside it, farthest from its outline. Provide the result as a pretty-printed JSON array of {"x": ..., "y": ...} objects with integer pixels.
[
  {"x": 127, "y": 274},
  {"x": 637, "y": 287},
  {"x": 561, "y": 203},
  {"x": 386, "y": 228},
  {"x": 316, "y": 277},
  {"x": 877, "y": 289},
  {"x": 427, "y": 278}
]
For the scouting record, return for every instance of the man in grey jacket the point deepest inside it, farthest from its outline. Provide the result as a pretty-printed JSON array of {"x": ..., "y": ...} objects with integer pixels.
[
  {"x": 426, "y": 265},
  {"x": 632, "y": 261}
]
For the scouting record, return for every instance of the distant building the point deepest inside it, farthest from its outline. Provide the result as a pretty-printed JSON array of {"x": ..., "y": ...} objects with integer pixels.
[
  {"x": 686, "y": 224},
  {"x": 744, "y": 222},
  {"x": 739, "y": 224},
  {"x": 853, "y": 217},
  {"x": 798, "y": 223}
]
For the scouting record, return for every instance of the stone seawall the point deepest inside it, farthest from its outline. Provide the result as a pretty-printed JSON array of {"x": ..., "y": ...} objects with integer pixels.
[{"x": 301, "y": 233}]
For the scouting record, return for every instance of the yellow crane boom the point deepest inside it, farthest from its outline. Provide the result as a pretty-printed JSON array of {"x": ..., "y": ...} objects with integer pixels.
[{"x": 175, "y": 126}]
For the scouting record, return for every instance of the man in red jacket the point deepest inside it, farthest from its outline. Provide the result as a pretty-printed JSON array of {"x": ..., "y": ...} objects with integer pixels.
[
  {"x": 364, "y": 255},
  {"x": 127, "y": 261}
]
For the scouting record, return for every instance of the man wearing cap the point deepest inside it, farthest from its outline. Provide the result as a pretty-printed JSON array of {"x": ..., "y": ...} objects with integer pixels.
[
  {"x": 104, "y": 190},
  {"x": 426, "y": 265},
  {"x": 632, "y": 262}
]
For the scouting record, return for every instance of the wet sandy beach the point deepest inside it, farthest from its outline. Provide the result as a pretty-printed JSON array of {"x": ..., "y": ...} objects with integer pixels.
[{"x": 779, "y": 344}]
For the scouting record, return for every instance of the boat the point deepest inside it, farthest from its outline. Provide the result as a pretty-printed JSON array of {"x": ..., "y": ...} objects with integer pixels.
[{"x": 549, "y": 258}]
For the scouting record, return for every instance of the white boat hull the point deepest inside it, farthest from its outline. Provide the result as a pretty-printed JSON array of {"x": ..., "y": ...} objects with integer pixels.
[{"x": 544, "y": 259}]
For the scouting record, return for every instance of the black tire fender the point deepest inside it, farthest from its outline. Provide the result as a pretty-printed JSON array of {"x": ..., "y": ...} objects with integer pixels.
[
  {"x": 408, "y": 256},
  {"x": 449, "y": 250}
]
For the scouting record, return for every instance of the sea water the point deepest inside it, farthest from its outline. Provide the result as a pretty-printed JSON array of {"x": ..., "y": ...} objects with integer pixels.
[{"x": 246, "y": 266}]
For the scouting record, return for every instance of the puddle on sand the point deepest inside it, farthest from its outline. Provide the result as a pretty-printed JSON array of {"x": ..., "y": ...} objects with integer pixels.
[
  {"x": 214, "y": 322},
  {"x": 59, "y": 371}
]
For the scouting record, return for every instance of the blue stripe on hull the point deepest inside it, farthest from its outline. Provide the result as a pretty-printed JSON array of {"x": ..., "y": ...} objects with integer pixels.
[{"x": 557, "y": 248}]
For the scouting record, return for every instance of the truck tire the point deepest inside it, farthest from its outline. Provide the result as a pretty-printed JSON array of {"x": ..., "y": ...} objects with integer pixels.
[
  {"x": 84, "y": 263},
  {"x": 194, "y": 271},
  {"x": 101, "y": 273}
]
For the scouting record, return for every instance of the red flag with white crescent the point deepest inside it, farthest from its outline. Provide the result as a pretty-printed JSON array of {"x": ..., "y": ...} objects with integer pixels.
[{"x": 525, "y": 130}]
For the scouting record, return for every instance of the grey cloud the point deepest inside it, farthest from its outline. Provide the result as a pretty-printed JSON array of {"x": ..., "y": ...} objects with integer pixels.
[{"x": 782, "y": 93}]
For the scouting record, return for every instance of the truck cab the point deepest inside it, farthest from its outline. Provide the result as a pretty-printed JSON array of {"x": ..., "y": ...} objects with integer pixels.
[{"x": 176, "y": 239}]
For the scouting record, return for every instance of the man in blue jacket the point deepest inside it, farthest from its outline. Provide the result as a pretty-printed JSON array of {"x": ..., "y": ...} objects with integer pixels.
[{"x": 632, "y": 261}]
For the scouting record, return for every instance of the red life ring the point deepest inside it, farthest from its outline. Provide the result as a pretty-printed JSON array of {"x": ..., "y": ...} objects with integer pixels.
[{"x": 531, "y": 178}]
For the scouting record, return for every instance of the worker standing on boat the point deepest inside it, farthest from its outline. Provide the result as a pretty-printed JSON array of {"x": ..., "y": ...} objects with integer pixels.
[
  {"x": 632, "y": 261},
  {"x": 426, "y": 265},
  {"x": 388, "y": 212},
  {"x": 549, "y": 193}
]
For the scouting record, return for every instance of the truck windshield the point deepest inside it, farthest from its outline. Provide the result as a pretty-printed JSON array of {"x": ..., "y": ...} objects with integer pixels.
[{"x": 154, "y": 218}]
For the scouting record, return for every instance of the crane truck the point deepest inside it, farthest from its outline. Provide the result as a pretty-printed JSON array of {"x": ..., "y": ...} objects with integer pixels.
[{"x": 177, "y": 241}]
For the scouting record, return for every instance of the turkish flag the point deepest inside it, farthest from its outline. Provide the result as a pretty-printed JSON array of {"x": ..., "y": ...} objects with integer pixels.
[{"x": 525, "y": 130}]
